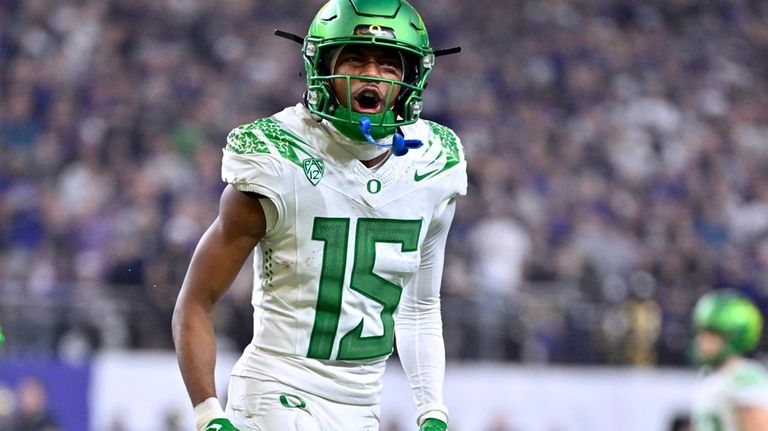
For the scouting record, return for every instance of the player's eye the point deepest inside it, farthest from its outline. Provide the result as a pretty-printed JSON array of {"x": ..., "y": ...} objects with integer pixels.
[
  {"x": 391, "y": 68},
  {"x": 388, "y": 63},
  {"x": 353, "y": 59}
]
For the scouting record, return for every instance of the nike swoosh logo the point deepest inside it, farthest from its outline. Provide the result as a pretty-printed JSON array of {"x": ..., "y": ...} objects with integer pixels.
[
  {"x": 214, "y": 427},
  {"x": 418, "y": 177}
]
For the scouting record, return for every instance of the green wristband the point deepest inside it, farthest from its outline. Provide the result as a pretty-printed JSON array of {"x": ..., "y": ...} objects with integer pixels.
[
  {"x": 433, "y": 424},
  {"x": 220, "y": 425}
]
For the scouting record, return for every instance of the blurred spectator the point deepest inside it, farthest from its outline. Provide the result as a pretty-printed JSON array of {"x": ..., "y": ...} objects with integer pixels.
[
  {"x": 500, "y": 423},
  {"x": 680, "y": 422},
  {"x": 498, "y": 247},
  {"x": 620, "y": 137},
  {"x": 391, "y": 425},
  {"x": 172, "y": 421},
  {"x": 33, "y": 414},
  {"x": 643, "y": 317},
  {"x": 7, "y": 406},
  {"x": 117, "y": 424}
]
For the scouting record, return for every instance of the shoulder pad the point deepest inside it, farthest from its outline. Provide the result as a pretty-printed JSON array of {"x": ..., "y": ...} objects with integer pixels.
[
  {"x": 267, "y": 136},
  {"x": 751, "y": 375},
  {"x": 444, "y": 150}
]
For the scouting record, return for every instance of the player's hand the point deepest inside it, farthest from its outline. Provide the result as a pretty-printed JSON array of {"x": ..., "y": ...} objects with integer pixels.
[
  {"x": 220, "y": 424},
  {"x": 433, "y": 424}
]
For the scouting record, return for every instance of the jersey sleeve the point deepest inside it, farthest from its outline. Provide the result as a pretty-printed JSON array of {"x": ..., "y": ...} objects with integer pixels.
[
  {"x": 446, "y": 160},
  {"x": 749, "y": 387},
  {"x": 419, "y": 327},
  {"x": 249, "y": 166},
  {"x": 453, "y": 146}
]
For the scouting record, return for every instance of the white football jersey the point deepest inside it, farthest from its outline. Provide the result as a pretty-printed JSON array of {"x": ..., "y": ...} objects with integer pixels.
[
  {"x": 345, "y": 246},
  {"x": 720, "y": 393}
]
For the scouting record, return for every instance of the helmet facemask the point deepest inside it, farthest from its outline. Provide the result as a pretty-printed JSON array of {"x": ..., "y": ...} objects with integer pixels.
[
  {"x": 712, "y": 359},
  {"x": 397, "y": 108},
  {"x": 384, "y": 23},
  {"x": 388, "y": 24}
]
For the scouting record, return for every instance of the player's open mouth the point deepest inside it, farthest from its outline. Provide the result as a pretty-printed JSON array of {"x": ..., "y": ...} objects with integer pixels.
[{"x": 367, "y": 101}]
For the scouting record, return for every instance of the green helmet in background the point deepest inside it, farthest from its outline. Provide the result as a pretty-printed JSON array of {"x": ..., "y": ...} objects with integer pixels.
[
  {"x": 734, "y": 317},
  {"x": 385, "y": 23}
]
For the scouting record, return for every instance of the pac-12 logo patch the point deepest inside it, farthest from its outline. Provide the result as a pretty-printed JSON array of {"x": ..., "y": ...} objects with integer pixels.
[{"x": 313, "y": 169}]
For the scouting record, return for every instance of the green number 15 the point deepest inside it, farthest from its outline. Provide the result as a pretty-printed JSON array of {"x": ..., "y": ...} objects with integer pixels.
[{"x": 334, "y": 232}]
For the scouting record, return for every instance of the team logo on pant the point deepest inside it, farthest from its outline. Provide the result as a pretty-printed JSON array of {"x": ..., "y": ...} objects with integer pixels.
[
  {"x": 291, "y": 401},
  {"x": 313, "y": 169}
]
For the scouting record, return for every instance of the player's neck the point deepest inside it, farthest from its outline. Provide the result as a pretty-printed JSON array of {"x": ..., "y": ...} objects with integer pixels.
[
  {"x": 731, "y": 362},
  {"x": 369, "y": 155},
  {"x": 376, "y": 161}
]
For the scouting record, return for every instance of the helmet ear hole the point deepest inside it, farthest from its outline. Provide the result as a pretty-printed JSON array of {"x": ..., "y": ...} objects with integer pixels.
[
  {"x": 410, "y": 67},
  {"x": 324, "y": 61}
]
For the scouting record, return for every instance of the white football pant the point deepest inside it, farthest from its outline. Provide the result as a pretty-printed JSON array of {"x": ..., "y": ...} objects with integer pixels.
[{"x": 257, "y": 405}]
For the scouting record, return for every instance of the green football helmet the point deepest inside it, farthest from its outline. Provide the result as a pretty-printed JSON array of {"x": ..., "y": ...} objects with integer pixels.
[
  {"x": 734, "y": 317},
  {"x": 385, "y": 23}
]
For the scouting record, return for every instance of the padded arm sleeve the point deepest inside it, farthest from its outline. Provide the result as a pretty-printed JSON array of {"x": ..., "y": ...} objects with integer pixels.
[{"x": 419, "y": 326}]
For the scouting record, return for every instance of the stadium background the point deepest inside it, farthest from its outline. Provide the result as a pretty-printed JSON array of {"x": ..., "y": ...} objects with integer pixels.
[{"x": 618, "y": 166}]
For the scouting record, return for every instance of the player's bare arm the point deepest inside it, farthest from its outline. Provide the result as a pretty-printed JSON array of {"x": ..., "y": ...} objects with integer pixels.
[
  {"x": 217, "y": 260},
  {"x": 752, "y": 418}
]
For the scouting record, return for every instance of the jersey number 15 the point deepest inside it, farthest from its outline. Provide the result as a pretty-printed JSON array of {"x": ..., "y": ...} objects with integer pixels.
[{"x": 334, "y": 232}]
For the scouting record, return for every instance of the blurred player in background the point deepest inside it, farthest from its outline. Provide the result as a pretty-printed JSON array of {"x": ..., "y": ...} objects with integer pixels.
[
  {"x": 681, "y": 422},
  {"x": 349, "y": 197},
  {"x": 733, "y": 395}
]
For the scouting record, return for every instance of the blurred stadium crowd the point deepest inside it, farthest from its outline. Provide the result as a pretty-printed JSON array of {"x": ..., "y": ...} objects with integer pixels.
[{"x": 618, "y": 165}]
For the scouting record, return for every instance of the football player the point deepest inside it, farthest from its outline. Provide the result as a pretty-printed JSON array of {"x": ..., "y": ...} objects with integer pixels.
[
  {"x": 733, "y": 394},
  {"x": 349, "y": 197}
]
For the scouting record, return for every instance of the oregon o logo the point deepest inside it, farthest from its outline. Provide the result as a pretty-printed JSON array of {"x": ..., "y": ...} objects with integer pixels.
[
  {"x": 374, "y": 186},
  {"x": 291, "y": 401}
]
